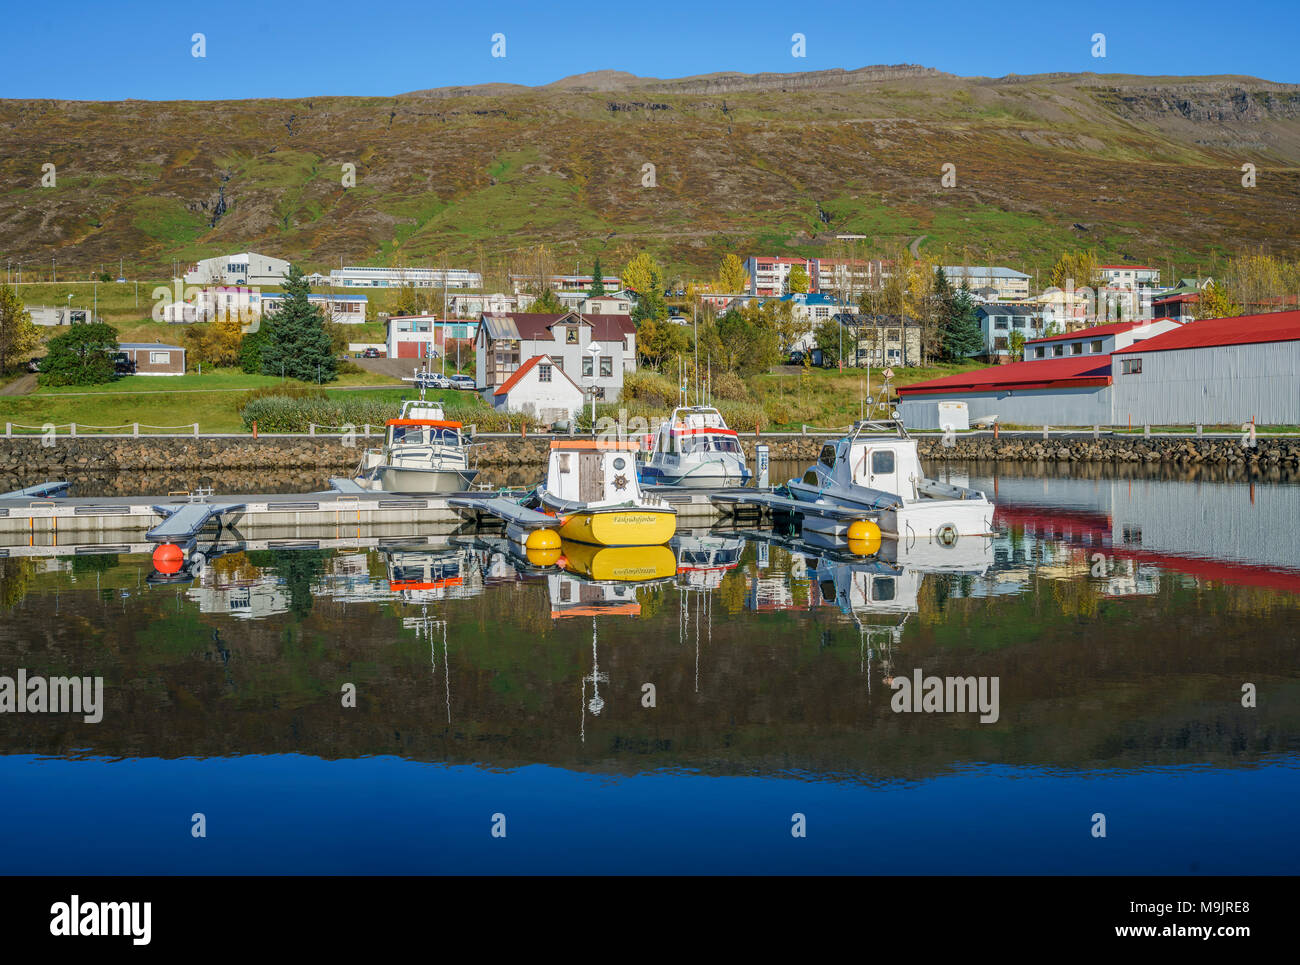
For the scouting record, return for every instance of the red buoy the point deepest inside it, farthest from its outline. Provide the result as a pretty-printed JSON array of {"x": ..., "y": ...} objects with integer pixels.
[{"x": 168, "y": 558}]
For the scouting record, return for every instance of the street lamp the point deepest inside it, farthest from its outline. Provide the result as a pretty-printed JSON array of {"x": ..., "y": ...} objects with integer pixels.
[{"x": 594, "y": 351}]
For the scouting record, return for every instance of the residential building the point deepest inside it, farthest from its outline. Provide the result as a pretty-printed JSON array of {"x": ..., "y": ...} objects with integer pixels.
[
  {"x": 360, "y": 276},
  {"x": 1136, "y": 277},
  {"x": 58, "y": 315},
  {"x": 1007, "y": 282},
  {"x": 247, "y": 269},
  {"x": 1097, "y": 340},
  {"x": 847, "y": 278},
  {"x": 503, "y": 342},
  {"x": 999, "y": 321},
  {"x": 880, "y": 340},
  {"x": 771, "y": 275},
  {"x": 153, "y": 358},
  {"x": 539, "y": 389},
  {"x": 472, "y": 305},
  {"x": 343, "y": 309},
  {"x": 423, "y": 336},
  {"x": 564, "y": 283},
  {"x": 615, "y": 303}
]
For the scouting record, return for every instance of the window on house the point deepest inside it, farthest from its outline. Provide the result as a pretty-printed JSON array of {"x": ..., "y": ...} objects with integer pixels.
[
  {"x": 1076, "y": 348},
  {"x": 571, "y": 335},
  {"x": 1058, "y": 350},
  {"x": 587, "y": 367},
  {"x": 1000, "y": 344},
  {"x": 1131, "y": 367},
  {"x": 543, "y": 373},
  {"x": 1096, "y": 346},
  {"x": 559, "y": 364},
  {"x": 1040, "y": 352},
  {"x": 160, "y": 358},
  {"x": 606, "y": 366},
  {"x": 1000, "y": 322}
]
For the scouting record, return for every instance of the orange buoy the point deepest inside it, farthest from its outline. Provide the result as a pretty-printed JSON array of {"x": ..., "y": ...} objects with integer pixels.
[{"x": 168, "y": 558}]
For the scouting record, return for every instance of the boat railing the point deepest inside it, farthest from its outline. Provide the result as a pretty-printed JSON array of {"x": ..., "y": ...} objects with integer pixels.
[{"x": 893, "y": 427}]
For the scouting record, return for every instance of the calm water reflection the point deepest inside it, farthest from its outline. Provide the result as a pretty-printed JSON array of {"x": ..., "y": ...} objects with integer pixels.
[{"x": 1121, "y": 616}]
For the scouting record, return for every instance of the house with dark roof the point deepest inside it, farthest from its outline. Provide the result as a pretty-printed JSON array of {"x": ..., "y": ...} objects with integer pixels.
[
  {"x": 541, "y": 390},
  {"x": 880, "y": 340},
  {"x": 593, "y": 350},
  {"x": 998, "y": 320}
]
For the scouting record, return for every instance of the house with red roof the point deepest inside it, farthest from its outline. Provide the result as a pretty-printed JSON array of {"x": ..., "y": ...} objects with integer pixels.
[
  {"x": 541, "y": 390},
  {"x": 594, "y": 350},
  {"x": 1096, "y": 340}
]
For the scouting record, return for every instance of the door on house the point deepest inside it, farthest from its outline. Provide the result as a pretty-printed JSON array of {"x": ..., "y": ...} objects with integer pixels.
[{"x": 591, "y": 477}]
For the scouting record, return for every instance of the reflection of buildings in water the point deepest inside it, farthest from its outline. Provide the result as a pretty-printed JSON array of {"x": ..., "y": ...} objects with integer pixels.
[
  {"x": 1245, "y": 531},
  {"x": 1021, "y": 556},
  {"x": 574, "y": 597}
]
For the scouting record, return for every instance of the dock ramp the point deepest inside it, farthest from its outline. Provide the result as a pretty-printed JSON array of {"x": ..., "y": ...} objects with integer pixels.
[
  {"x": 783, "y": 504},
  {"x": 45, "y": 490},
  {"x": 182, "y": 524},
  {"x": 504, "y": 509}
]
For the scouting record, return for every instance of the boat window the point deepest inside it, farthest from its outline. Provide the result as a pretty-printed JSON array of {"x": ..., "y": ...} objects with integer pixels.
[
  {"x": 407, "y": 434},
  {"x": 882, "y": 461},
  {"x": 810, "y": 477},
  {"x": 827, "y": 457},
  {"x": 708, "y": 443},
  {"x": 442, "y": 436},
  {"x": 828, "y": 590},
  {"x": 620, "y": 462},
  {"x": 883, "y": 589}
]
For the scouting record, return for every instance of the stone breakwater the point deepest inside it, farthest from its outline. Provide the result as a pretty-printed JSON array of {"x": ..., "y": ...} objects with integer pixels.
[{"x": 28, "y": 458}]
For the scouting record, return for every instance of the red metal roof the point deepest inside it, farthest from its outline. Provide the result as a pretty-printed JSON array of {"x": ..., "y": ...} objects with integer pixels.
[
  {"x": 1114, "y": 328},
  {"x": 1072, "y": 372},
  {"x": 1211, "y": 332},
  {"x": 527, "y": 367}
]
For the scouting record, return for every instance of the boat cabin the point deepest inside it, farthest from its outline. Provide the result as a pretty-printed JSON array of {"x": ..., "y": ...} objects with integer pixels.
[
  {"x": 593, "y": 472},
  {"x": 405, "y": 433},
  {"x": 873, "y": 459},
  {"x": 696, "y": 430}
]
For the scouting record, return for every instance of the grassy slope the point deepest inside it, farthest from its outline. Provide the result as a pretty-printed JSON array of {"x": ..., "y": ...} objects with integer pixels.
[{"x": 1152, "y": 172}]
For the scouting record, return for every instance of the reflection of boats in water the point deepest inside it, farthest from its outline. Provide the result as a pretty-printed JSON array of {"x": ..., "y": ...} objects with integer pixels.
[
  {"x": 423, "y": 452},
  {"x": 703, "y": 558},
  {"x": 592, "y": 488},
  {"x": 876, "y": 469},
  {"x": 696, "y": 449},
  {"x": 422, "y": 576},
  {"x": 605, "y": 579}
]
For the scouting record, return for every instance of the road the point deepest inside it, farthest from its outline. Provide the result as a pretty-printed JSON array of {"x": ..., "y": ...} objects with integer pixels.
[{"x": 23, "y": 385}]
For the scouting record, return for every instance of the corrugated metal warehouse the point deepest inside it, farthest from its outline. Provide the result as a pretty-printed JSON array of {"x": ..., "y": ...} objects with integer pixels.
[
  {"x": 1217, "y": 371},
  {"x": 1220, "y": 371},
  {"x": 1064, "y": 392}
]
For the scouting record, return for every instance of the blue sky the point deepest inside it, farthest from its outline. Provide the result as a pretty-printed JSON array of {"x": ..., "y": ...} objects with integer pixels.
[{"x": 97, "y": 51}]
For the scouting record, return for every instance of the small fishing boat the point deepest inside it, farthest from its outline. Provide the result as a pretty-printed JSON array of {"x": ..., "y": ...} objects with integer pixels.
[
  {"x": 695, "y": 449},
  {"x": 591, "y": 488},
  {"x": 876, "y": 469},
  {"x": 423, "y": 452}
]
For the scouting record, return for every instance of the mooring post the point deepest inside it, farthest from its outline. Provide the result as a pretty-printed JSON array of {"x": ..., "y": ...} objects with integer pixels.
[
  {"x": 761, "y": 464},
  {"x": 1146, "y": 431},
  {"x": 1199, "y": 430},
  {"x": 311, "y": 428},
  {"x": 196, "y": 430},
  {"x": 9, "y": 430},
  {"x": 135, "y": 430},
  {"x": 254, "y": 428},
  {"x": 72, "y": 430},
  {"x": 1044, "y": 432},
  {"x": 1096, "y": 432}
]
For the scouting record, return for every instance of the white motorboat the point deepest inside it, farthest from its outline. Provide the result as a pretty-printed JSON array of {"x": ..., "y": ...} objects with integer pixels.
[
  {"x": 423, "y": 452},
  {"x": 695, "y": 449},
  {"x": 876, "y": 469}
]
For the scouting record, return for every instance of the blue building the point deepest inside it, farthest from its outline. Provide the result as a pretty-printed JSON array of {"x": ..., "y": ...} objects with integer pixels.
[{"x": 997, "y": 323}]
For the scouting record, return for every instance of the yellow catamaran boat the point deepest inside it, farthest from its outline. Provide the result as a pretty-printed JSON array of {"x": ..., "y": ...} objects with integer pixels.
[{"x": 591, "y": 487}]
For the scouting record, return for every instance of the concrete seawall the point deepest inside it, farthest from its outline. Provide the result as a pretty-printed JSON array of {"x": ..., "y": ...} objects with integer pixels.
[{"x": 29, "y": 457}]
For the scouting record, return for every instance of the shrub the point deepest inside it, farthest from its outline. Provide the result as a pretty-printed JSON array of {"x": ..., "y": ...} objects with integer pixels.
[
  {"x": 728, "y": 385},
  {"x": 649, "y": 388}
]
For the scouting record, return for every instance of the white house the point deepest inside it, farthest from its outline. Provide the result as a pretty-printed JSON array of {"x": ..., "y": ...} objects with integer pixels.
[
  {"x": 361, "y": 276},
  {"x": 246, "y": 304},
  {"x": 1098, "y": 340},
  {"x": 422, "y": 336},
  {"x": 541, "y": 390},
  {"x": 503, "y": 342},
  {"x": 247, "y": 268},
  {"x": 1008, "y": 282},
  {"x": 618, "y": 303},
  {"x": 473, "y": 304}
]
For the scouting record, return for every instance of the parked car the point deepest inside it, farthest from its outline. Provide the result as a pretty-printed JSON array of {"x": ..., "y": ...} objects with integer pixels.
[
  {"x": 34, "y": 365},
  {"x": 433, "y": 380},
  {"x": 371, "y": 353},
  {"x": 463, "y": 382},
  {"x": 796, "y": 358}
]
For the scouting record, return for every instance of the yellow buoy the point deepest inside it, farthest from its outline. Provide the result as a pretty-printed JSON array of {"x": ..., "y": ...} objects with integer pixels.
[
  {"x": 542, "y": 557},
  {"x": 864, "y": 537},
  {"x": 543, "y": 539}
]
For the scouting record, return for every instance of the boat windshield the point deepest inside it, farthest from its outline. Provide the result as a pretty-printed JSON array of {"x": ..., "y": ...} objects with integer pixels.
[
  {"x": 701, "y": 444},
  {"x": 416, "y": 435}
]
